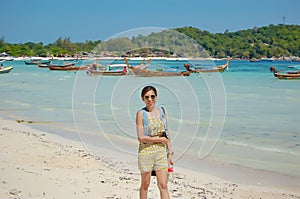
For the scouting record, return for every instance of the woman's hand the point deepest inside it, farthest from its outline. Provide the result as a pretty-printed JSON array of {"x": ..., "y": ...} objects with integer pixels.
[
  {"x": 170, "y": 159},
  {"x": 164, "y": 140}
]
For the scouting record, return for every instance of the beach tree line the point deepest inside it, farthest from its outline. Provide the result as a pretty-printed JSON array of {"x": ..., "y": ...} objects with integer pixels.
[
  {"x": 268, "y": 41},
  {"x": 60, "y": 48}
]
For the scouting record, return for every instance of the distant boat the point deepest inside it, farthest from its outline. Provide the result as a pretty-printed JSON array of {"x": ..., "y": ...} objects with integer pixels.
[
  {"x": 36, "y": 62},
  {"x": 140, "y": 72},
  {"x": 56, "y": 65},
  {"x": 267, "y": 59},
  {"x": 6, "y": 57},
  {"x": 109, "y": 70},
  {"x": 254, "y": 60},
  {"x": 295, "y": 66},
  {"x": 141, "y": 66},
  {"x": 220, "y": 68},
  {"x": 6, "y": 69},
  {"x": 107, "y": 73},
  {"x": 285, "y": 74},
  {"x": 43, "y": 65},
  {"x": 115, "y": 66},
  {"x": 116, "y": 69},
  {"x": 68, "y": 68}
]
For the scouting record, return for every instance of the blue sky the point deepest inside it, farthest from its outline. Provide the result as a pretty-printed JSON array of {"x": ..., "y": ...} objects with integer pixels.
[{"x": 81, "y": 20}]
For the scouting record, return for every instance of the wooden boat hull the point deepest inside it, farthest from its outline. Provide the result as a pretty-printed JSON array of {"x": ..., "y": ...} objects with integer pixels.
[
  {"x": 51, "y": 65},
  {"x": 216, "y": 69},
  {"x": 43, "y": 65},
  {"x": 65, "y": 65},
  {"x": 107, "y": 73},
  {"x": 6, "y": 69},
  {"x": 219, "y": 69},
  {"x": 150, "y": 73},
  {"x": 69, "y": 68},
  {"x": 36, "y": 62},
  {"x": 285, "y": 75},
  {"x": 142, "y": 65}
]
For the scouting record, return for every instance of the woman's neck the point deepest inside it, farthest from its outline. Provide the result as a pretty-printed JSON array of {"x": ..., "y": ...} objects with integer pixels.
[{"x": 150, "y": 109}]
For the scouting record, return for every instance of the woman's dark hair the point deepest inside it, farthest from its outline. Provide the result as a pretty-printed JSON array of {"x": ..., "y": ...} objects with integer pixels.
[{"x": 148, "y": 88}]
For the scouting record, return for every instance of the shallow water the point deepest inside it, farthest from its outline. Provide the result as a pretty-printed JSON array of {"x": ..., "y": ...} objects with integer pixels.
[{"x": 244, "y": 117}]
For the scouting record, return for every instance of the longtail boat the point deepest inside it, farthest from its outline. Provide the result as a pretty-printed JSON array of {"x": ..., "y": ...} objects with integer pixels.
[
  {"x": 43, "y": 65},
  {"x": 285, "y": 74},
  {"x": 68, "y": 68},
  {"x": 220, "y": 68},
  {"x": 142, "y": 65},
  {"x": 6, "y": 69},
  {"x": 36, "y": 62},
  {"x": 56, "y": 65},
  {"x": 110, "y": 70},
  {"x": 151, "y": 73},
  {"x": 107, "y": 73}
]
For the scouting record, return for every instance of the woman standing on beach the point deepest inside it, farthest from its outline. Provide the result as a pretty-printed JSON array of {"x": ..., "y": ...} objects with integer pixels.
[{"x": 155, "y": 150}]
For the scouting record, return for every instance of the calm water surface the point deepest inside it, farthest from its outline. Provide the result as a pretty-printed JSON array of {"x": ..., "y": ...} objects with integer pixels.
[{"x": 246, "y": 116}]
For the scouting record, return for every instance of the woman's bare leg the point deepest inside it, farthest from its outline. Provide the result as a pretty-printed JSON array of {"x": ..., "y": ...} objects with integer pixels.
[
  {"x": 146, "y": 177},
  {"x": 162, "y": 183}
]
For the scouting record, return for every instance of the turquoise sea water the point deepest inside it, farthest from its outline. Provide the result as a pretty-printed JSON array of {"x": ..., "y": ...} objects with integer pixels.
[{"x": 243, "y": 117}]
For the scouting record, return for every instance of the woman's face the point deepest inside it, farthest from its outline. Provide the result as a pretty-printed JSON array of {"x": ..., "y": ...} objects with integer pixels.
[{"x": 150, "y": 98}]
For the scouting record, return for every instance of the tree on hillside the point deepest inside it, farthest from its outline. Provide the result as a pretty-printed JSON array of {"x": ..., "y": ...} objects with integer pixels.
[{"x": 268, "y": 41}]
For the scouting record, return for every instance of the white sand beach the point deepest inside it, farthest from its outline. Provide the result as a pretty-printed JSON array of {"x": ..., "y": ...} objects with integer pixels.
[{"x": 35, "y": 164}]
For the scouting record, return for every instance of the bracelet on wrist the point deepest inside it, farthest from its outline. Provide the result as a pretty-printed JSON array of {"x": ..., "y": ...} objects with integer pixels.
[{"x": 171, "y": 153}]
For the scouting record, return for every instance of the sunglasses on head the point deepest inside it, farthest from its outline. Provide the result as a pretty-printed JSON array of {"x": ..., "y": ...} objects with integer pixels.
[{"x": 147, "y": 97}]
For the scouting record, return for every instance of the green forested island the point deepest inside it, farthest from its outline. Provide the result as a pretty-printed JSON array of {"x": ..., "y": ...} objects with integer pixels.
[{"x": 268, "y": 41}]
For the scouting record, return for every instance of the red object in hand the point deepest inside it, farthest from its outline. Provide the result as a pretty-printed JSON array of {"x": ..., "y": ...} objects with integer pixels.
[
  {"x": 170, "y": 173},
  {"x": 170, "y": 169}
]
